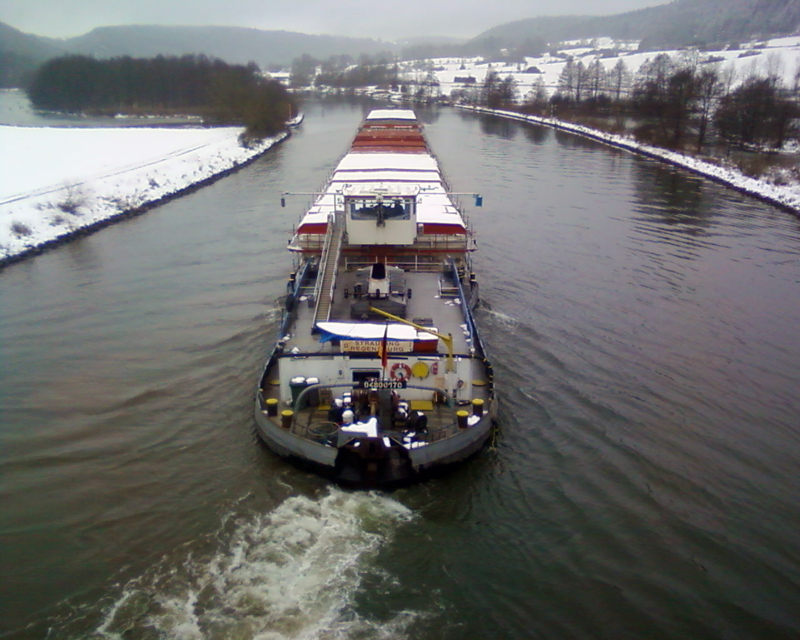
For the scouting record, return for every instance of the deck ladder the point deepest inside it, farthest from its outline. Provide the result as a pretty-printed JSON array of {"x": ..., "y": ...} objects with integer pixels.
[{"x": 326, "y": 278}]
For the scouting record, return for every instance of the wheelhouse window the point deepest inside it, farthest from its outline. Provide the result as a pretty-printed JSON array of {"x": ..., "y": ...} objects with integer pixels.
[{"x": 380, "y": 208}]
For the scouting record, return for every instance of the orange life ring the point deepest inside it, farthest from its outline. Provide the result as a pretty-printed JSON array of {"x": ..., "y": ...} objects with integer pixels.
[{"x": 400, "y": 371}]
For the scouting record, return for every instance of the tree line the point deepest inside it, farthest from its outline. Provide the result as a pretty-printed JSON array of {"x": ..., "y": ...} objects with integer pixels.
[
  {"x": 678, "y": 99},
  {"x": 220, "y": 92},
  {"x": 675, "y": 101},
  {"x": 344, "y": 71},
  {"x": 381, "y": 70}
]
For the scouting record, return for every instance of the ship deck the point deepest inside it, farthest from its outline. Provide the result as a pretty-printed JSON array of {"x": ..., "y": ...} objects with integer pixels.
[{"x": 430, "y": 299}]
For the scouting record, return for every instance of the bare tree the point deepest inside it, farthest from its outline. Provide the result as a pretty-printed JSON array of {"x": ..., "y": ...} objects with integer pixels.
[
  {"x": 537, "y": 96},
  {"x": 728, "y": 77},
  {"x": 489, "y": 88},
  {"x": 667, "y": 94},
  {"x": 428, "y": 89},
  {"x": 752, "y": 71},
  {"x": 580, "y": 80},
  {"x": 756, "y": 114},
  {"x": 709, "y": 88},
  {"x": 773, "y": 68},
  {"x": 619, "y": 80},
  {"x": 497, "y": 93},
  {"x": 689, "y": 59},
  {"x": 679, "y": 103},
  {"x": 796, "y": 86},
  {"x": 656, "y": 72},
  {"x": 509, "y": 93},
  {"x": 595, "y": 79},
  {"x": 567, "y": 80}
]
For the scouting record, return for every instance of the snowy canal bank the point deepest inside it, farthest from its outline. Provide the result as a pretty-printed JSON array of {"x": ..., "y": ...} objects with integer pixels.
[
  {"x": 785, "y": 196},
  {"x": 57, "y": 183}
]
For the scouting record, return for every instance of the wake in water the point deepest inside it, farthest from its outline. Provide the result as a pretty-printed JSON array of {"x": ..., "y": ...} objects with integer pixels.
[
  {"x": 290, "y": 574},
  {"x": 484, "y": 307}
]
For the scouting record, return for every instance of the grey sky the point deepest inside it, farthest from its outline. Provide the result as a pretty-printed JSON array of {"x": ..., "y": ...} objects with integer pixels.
[{"x": 367, "y": 18}]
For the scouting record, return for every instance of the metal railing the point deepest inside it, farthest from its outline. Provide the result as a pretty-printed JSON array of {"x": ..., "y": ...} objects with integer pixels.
[
  {"x": 406, "y": 265},
  {"x": 308, "y": 425}
]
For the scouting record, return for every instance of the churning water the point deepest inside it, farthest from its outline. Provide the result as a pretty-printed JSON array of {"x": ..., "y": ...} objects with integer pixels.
[{"x": 290, "y": 573}]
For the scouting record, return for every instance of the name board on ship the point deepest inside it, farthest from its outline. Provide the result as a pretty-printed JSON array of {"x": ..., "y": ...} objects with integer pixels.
[{"x": 373, "y": 346}]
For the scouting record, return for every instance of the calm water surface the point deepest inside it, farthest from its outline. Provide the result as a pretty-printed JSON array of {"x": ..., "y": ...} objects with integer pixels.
[{"x": 645, "y": 330}]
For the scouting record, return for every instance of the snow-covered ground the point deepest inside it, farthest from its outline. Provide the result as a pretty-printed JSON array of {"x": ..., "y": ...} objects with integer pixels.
[
  {"x": 787, "y": 196},
  {"x": 780, "y": 56},
  {"x": 57, "y": 181}
]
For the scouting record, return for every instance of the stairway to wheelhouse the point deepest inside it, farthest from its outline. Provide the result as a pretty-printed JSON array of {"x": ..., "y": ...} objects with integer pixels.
[{"x": 326, "y": 278}]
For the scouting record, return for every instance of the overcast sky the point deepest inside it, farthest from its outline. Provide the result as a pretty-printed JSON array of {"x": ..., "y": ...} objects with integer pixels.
[{"x": 367, "y": 18}]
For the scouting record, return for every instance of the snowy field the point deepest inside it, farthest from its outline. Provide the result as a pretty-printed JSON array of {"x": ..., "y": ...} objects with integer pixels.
[
  {"x": 781, "y": 55},
  {"x": 56, "y": 181}
]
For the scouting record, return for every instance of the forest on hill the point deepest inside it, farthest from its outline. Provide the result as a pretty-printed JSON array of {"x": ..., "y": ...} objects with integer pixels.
[
  {"x": 673, "y": 25},
  {"x": 21, "y": 54},
  {"x": 221, "y": 93}
]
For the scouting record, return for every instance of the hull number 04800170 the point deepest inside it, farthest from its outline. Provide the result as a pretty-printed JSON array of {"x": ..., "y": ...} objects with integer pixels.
[{"x": 374, "y": 383}]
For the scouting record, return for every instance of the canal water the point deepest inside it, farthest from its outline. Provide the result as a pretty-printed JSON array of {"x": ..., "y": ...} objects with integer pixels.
[{"x": 644, "y": 325}]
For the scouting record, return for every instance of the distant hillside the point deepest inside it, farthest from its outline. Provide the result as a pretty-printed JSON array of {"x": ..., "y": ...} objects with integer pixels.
[
  {"x": 429, "y": 40},
  {"x": 547, "y": 28},
  {"x": 677, "y": 24},
  {"x": 232, "y": 44},
  {"x": 21, "y": 54}
]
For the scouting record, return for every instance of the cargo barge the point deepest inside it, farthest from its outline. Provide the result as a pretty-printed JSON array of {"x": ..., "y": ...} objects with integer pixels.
[{"x": 379, "y": 375}]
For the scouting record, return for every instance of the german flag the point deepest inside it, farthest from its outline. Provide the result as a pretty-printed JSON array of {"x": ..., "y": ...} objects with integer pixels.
[{"x": 383, "y": 349}]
